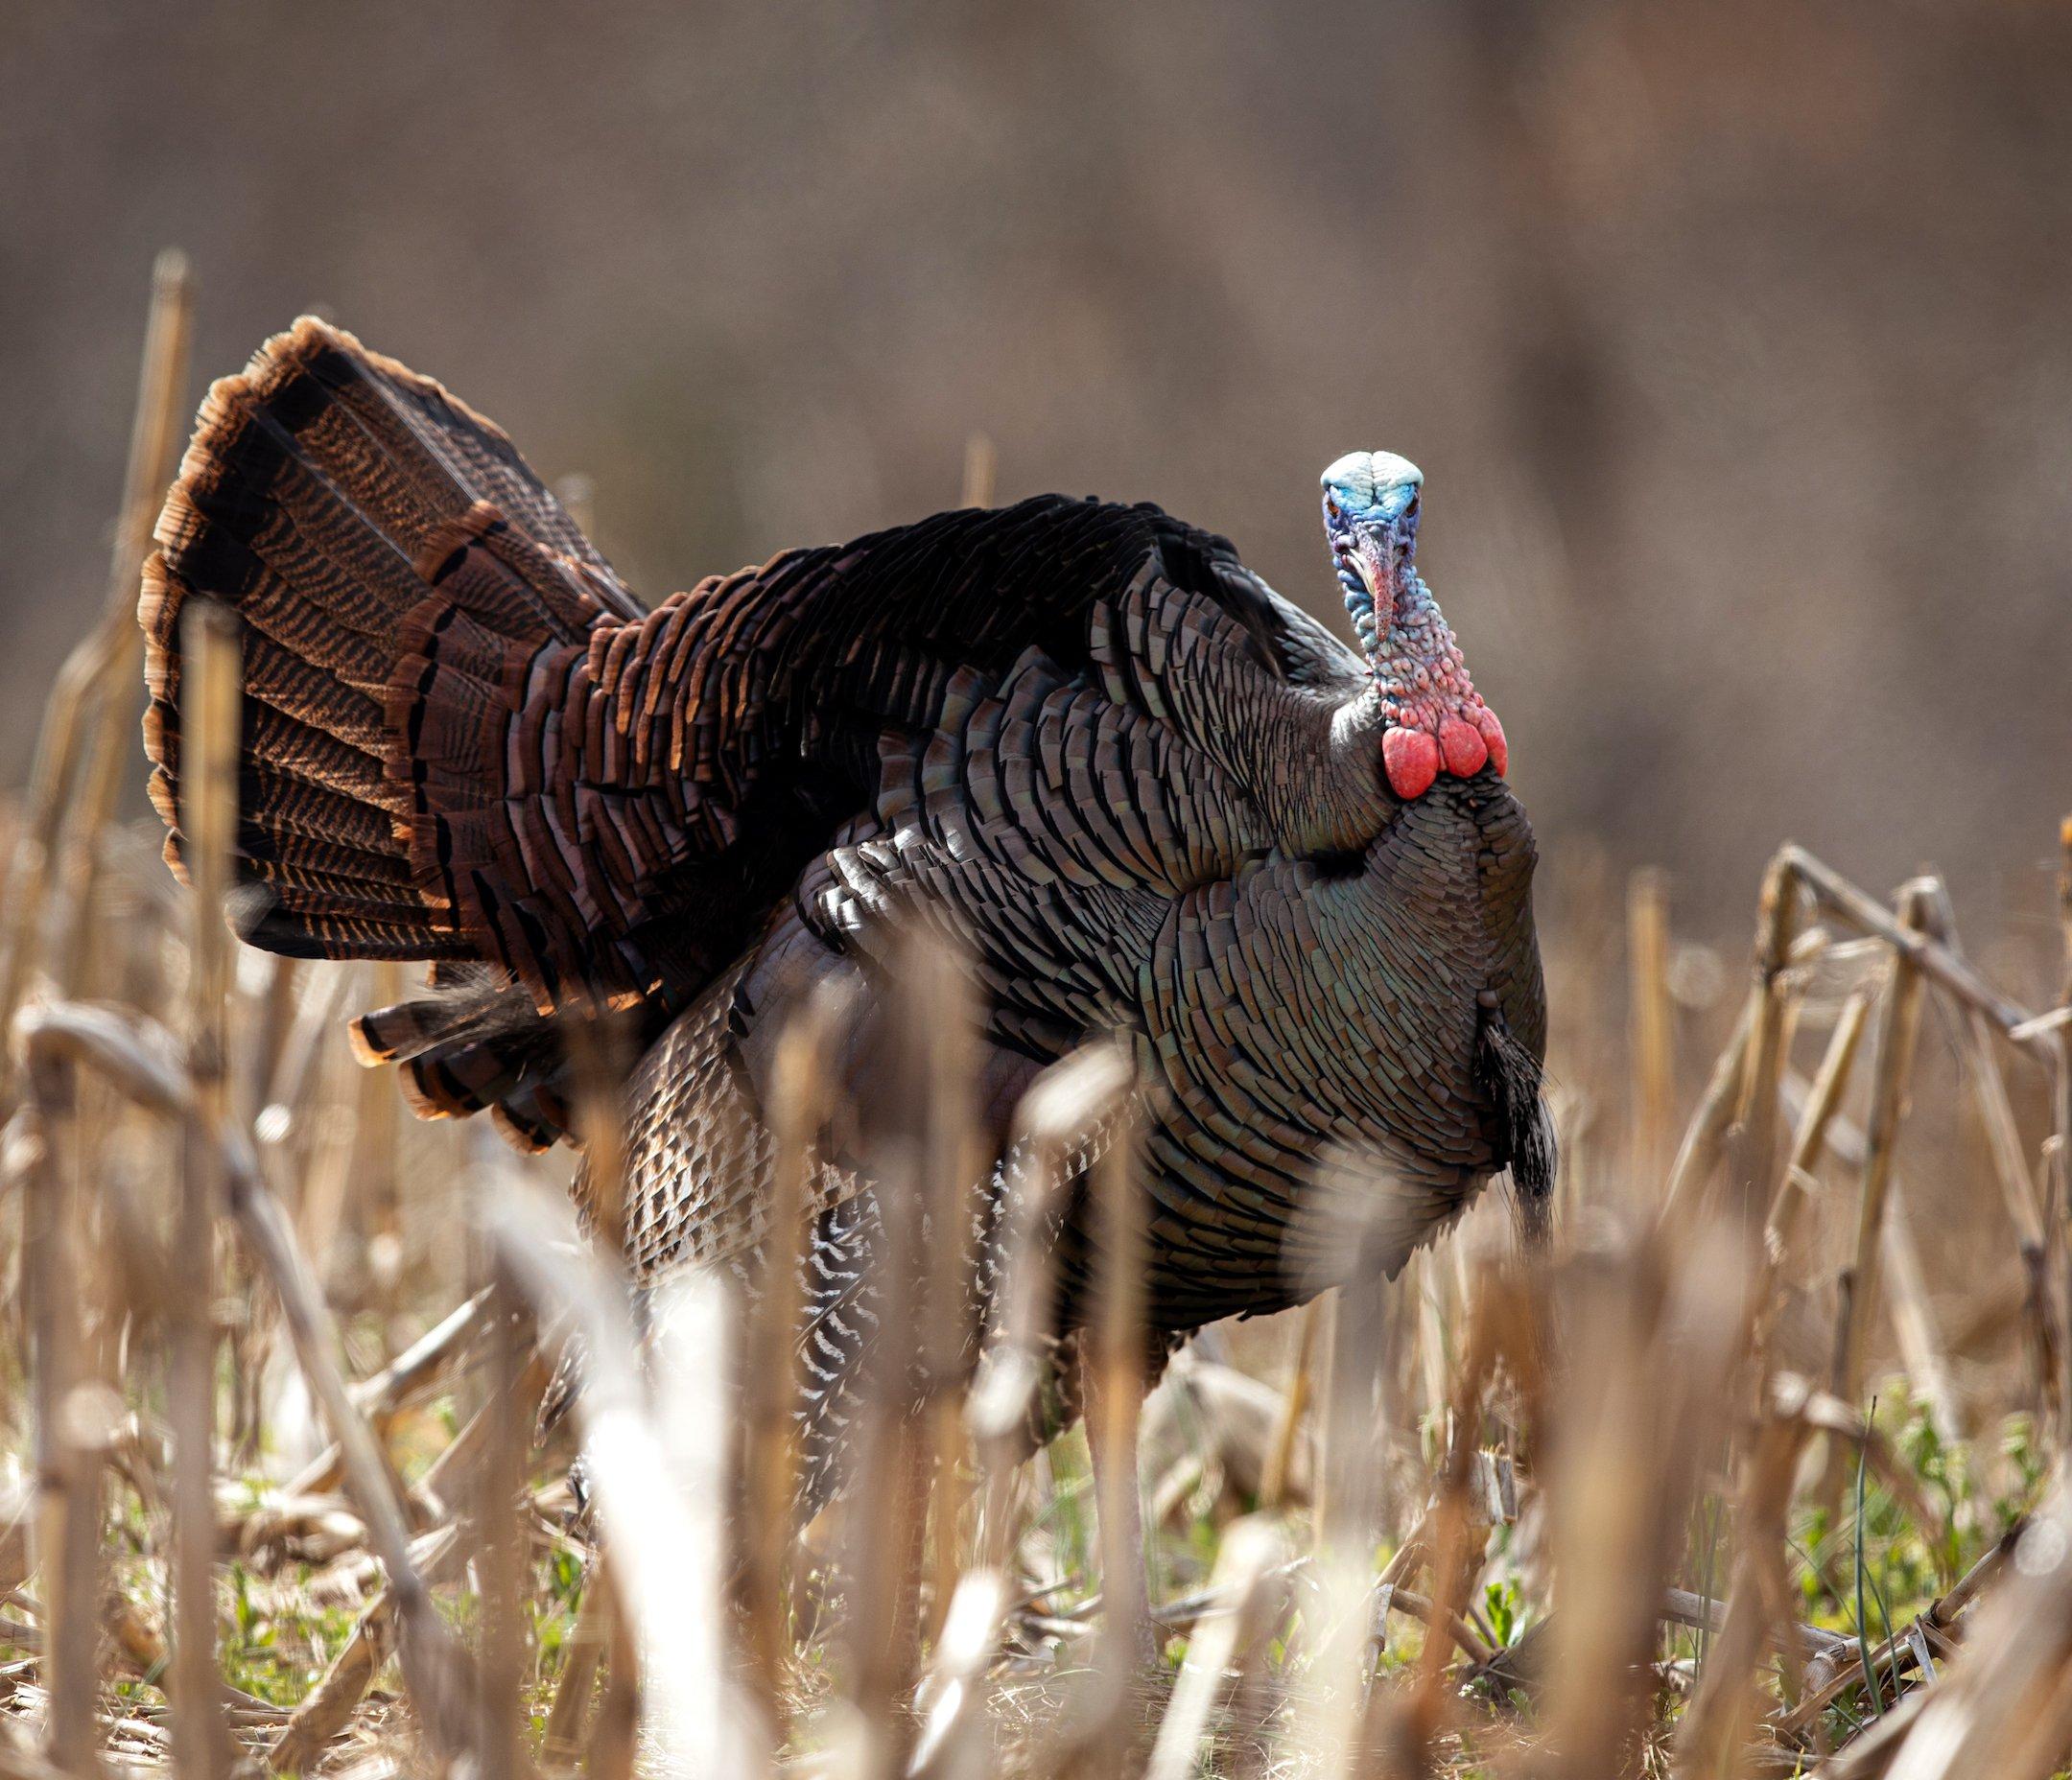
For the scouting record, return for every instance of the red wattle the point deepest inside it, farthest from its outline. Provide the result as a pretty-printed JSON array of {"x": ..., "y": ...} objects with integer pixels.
[
  {"x": 1411, "y": 757},
  {"x": 1463, "y": 746},
  {"x": 1499, "y": 752}
]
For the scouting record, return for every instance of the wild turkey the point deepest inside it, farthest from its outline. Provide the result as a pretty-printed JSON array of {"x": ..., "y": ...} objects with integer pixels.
[{"x": 1150, "y": 796}]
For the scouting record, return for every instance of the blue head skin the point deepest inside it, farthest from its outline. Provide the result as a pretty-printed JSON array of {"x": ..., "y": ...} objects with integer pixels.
[
  {"x": 1371, "y": 518},
  {"x": 1433, "y": 719}
]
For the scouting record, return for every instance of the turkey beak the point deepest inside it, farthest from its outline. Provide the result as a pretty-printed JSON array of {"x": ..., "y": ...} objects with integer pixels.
[{"x": 1375, "y": 550}]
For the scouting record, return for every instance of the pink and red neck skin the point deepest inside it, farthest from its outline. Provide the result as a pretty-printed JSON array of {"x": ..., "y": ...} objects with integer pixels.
[{"x": 1433, "y": 719}]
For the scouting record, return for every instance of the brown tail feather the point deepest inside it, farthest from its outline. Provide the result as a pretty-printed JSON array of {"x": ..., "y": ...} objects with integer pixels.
[
  {"x": 474, "y": 1049},
  {"x": 397, "y": 569}
]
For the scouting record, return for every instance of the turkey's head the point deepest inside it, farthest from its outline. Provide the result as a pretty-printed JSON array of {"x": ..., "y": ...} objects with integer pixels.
[{"x": 1433, "y": 719}]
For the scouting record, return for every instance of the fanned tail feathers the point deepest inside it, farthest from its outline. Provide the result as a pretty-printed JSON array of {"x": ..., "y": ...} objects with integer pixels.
[{"x": 401, "y": 576}]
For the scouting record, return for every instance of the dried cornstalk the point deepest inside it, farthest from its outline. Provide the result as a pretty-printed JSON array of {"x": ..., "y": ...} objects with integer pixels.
[
  {"x": 1898, "y": 1653},
  {"x": 1329, "y": 1717},
  {"x": 1650, "y": 1023},
  {"x": 1781, "y": 1232},
  {"x": 68, "y": 1469},
  {"x": 1294, "y": 1405},
  {"x": 561, "y": 1738},
  {"x": 954, "y": 1743},
  {"x": 265, "y": 1049},
  {"x": 2003, "y": 1137},
  {"x": 2018, "y": 1193},
  {"x": 2057, "y": 1195},
  {"x": 1116, "y": 1402},
  {"x": 2065, "y": 909},
  {"x": 1757, "y": 1599},
  {"x": 1752, "y": 1140},
  {"x": 406, "y": 1380},
  {"x": 1927, "y": 954},
  {"x": 596, "y": 1045},
  {"x": 137, "y": 1057},
  {"x": 662, "y": 1540},
  {"x": 615, "y": 1734},
  {"x": 433, "y": 1666},
  {"x": 371, "y": 1210},
  {"x": 1682, "y": 1606},
  {"x": 1892, "y": 1069},
  {"x": 297, "y": 1074},
  {"x": 1457, "y": 1524},
  {"x": 1699, "y": 1152},
  {"x": 980, "y": 462},
  {"x": 1251, "y": 1576},
  {"x": 1395, "y": 1598},
  {"x": 209, "y": 719},
  {"x": 882, "y": 1518},
  {"x": 1727, "y": 1088},
  {"x": 800, "y": 1101},
  {"x": 1063, "y": 1112},
  {"x": 327, "y": 1708},
  {"x": 1653, "y": 1339},
  {"x": 1921, "y": 1350},
  {"x": 98, "y": 675},
  {"x": 499, "y": 1479},
  {"x": 154, "y": 444},
  {"x": 953, "y": 1160}
]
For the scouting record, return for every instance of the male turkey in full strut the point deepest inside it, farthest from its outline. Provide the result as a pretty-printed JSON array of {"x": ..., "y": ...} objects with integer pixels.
[{"x": 1149, "y": 796}]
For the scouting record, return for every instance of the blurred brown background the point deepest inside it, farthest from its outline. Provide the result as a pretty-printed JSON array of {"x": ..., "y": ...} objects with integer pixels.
[{"x": 1732, "y": 340}]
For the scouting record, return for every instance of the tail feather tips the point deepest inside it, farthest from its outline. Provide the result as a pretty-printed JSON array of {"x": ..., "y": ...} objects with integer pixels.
[{"x": 395, "y": 566}]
